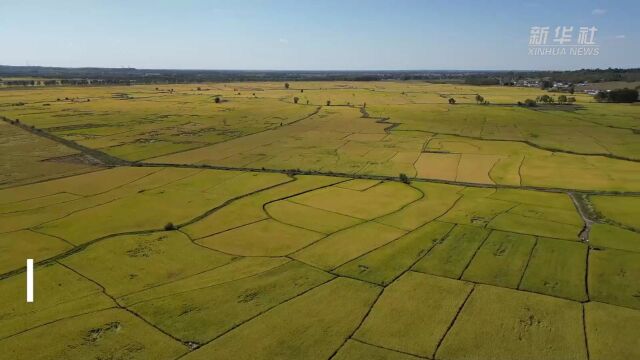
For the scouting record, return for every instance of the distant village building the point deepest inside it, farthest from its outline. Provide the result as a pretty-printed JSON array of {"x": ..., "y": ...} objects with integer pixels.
[
  {"x": 528, "y": 83},
  {"x": 560, "y": 86}
]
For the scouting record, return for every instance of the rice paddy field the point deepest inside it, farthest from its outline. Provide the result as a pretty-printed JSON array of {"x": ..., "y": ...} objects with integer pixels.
[{"x": 167, "y": 225}]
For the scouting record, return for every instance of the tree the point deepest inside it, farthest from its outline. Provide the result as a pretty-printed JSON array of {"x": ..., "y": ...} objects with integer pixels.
[
  {"x": 571, "y": 100},
  {"x": 217, "y": 99},
  {"x": 530, "y": 103},
  {"x": 479, "y": 99},
  {"x": 404, "y": 178},
  {"x": 562, "y": 99},
  {"x": 286, "y": 85},
  {"x": 452, "y": 101},
  {"x": 600, "y": 96},
  {"x": 301, "y": 90},
  {"x": 625, "y": 95},
  {"x": 328, "y": 102},
  {"x": 546, "y": 99},
  {"x": 295, "y": 100},
  {"x": 545, "y": 84}
]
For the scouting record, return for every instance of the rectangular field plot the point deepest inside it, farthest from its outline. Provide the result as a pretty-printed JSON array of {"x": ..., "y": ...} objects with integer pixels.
[
  {"x": 236, "y": 270},
  {"x": 17, "y": 246},
  {"x": 498, "y": 323},
  {"x": 41, "y": 206},
  {"x": 341, "y": 247},
  {"x": 438, "y": 166},
  {"x": 475, "y": 168},
  {"x": 476, "y": 210},
  {"x": 178, "y": 202},
  {"x": 612, "y": 331},
  {"x": 436, "y": 201},
  {"x": 311, "y": 218},
  {"x": 142, "y": 122},
  {"x": 108, "y": 334},
  {"x": 610, "y": 236},
  {"x": 201, "y": 314},
  {"x": 414, "y": 313},
  {"x": 263, "y": 238},
  {"x": 614, "y": 277},
  {"x": 121, "y": 264},
  {"x": 549, "y": 212},
  {"x": 533, "y": 200},
  {"x": 452, "y": 255},
  {"x": 27, "y": 158},
  {"x": 358, "y": 184},
  {"x": 383, "y": 265},
  {"x": 59, "y": 293},
  {"x": 557, "y": 268},
  {"x": 92, "y": 183},
  {"x": 311, "y": 326},
  {"x": 356, "y": 350},
  {"x": 518, "y": 223},
  {"x": 249, "y": 209},
  {"x": 374, "y": 202},
  {"x": 501, "y": 260},
  {"x": 621, "y": 209}
]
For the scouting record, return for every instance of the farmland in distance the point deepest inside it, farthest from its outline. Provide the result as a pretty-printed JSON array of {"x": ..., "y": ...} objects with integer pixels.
[{"x": 324, "y": 220}]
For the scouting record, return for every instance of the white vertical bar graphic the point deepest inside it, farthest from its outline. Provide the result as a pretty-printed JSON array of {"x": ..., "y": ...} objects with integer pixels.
[{"x": 29, "y": 280}]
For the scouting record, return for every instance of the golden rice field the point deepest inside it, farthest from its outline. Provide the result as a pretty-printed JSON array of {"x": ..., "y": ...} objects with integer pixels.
[{"x": 258, "y": 228}]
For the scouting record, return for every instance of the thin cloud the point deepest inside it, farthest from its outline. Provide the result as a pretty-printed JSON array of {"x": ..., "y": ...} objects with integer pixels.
[
  {"x": 283, "y": 41},
  {"x": 622, "y": 36},
  {"x": 598, "y": 11}
]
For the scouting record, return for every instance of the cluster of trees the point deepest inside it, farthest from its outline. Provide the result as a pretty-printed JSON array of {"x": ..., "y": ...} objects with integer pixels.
[
  {"x": 617, "y": 96},
  {"x": 596, "y": 75},
  {"x": 625, "y": 95},
  {"x": 482, "y": 80},
  {"x": 546, "y": 99},
  {"x": 564, "y": 99},
  {"x": 528, "y": 103},
  {"x": 479, "y": 100},
  {"x": 572, "y": 77}
]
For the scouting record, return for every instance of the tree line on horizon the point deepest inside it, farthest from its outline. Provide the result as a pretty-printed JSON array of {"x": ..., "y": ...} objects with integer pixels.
[{"x": 51, "y": 76}]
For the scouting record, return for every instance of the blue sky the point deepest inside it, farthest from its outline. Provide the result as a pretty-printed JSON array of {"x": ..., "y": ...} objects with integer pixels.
[{"x": 307, "y": 35}]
